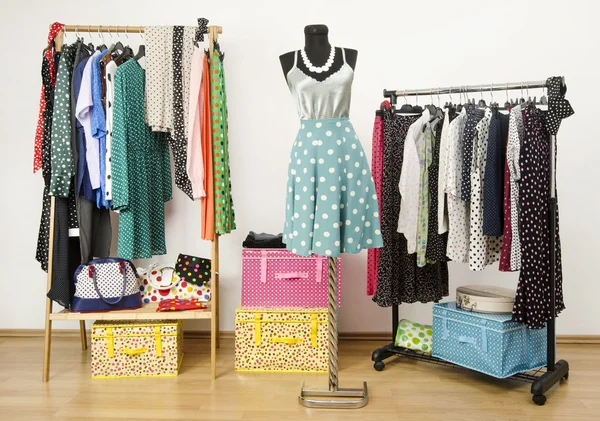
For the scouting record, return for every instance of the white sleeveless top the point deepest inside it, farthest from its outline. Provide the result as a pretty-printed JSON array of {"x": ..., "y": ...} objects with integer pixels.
[{"x": 320, "y": 100}]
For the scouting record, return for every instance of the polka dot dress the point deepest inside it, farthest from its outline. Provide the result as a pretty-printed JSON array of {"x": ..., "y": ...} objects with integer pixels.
[
  {"x": 331, "y": 198},
  {"x": 532, "y": 302},
  {"x": 458, "y": 210},
  {"x": 436, "y": 243},
  {"x": 224, "y": 213},
  {"x": 178, "y": 140},
  {"x": 141, "y": 170},
  {"x": 377, "y": 168},
  {"x": 515, "y": 140},
  {"x": 474, "y": 115}
]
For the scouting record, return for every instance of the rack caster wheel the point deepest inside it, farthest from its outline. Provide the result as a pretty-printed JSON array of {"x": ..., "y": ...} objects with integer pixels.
[
  {"x": 539, "y": 399},
  {"x": 566, "y": 376},
  {"x": 379, "y": 365}
]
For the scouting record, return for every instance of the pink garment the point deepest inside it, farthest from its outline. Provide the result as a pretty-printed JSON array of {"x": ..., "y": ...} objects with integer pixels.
[
  {"x": 195, "y": 166},
  {"x": 504, "y": 265},
  {"x": 377, "y": 171}
]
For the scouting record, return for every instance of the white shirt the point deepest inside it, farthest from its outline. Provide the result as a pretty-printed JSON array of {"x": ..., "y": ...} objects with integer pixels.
[
  {"x": 83, "y": 112},
  {"x": 442, "y": 217},
  {"x": 458, "y": 210},
  {"x": 111, "y": 71},
  {"x": 410, "y": 182},
  {"x": 483, "y": 250}
]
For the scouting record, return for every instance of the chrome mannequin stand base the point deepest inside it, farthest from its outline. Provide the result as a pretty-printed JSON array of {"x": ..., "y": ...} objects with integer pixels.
[
  {"x": 341, "y": 398},
  {"x": 336, "y": 397}
]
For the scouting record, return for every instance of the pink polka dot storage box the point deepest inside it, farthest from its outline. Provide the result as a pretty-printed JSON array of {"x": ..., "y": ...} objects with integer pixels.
[{"x": 280, "y": 278}]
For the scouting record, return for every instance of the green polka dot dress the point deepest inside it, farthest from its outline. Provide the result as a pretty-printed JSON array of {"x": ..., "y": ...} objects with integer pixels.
[
  {"x": 141, "y": 170},
  {"x": 331, "y": 205}
]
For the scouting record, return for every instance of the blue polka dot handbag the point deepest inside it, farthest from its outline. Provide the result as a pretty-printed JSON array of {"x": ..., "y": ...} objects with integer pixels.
[
  {"x": 490, "y": 343},
  {"x": 106, "y": 284}
]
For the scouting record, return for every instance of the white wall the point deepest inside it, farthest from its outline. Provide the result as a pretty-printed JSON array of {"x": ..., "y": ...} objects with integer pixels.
[{"x": 401, "y": 45}]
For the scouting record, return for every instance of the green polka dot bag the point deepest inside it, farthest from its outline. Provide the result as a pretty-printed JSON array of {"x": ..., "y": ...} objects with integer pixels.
[{"x": 414, "y": 336}]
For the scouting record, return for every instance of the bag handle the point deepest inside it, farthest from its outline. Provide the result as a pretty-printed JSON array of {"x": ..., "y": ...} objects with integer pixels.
[
  {"x": 159, "y": 287},
  {"x": 291, "y": 275},
  {"x": 92, "y": 274}
]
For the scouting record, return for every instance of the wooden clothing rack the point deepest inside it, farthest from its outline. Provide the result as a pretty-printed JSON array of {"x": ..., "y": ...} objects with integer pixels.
[
  {"x": 148, "y": 311},
  {"x": 541, "y": 380}
]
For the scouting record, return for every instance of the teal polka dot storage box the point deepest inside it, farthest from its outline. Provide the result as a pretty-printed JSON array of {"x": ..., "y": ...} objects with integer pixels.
[{"x": 490, "y": 343}]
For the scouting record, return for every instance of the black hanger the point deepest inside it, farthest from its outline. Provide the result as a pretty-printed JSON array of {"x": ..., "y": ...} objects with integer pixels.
[
  {"x": 116, "y": 47},
  {"x": 141, "y": 53}
]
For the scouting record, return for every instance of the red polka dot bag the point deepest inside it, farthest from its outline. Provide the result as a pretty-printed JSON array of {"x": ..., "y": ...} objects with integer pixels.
[{"x": 161, "y": 282}]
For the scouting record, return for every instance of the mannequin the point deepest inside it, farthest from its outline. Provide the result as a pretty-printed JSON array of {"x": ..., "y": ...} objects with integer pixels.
[{"x": 316, "y": 44}]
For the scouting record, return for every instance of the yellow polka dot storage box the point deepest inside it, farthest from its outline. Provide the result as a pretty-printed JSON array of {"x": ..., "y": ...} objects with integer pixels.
[
  {"x": 137, "y": 348},
  {"x": 490, "y": 343},
  {"x": 280, "y": 278},
  {"x": 292, "y": 340}
]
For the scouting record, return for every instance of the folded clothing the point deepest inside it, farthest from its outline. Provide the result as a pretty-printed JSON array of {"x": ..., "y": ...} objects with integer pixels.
[
  {"x": 263, "y": 241},
  {"x": 414, "y": 336},
  {"x": 176, "y": 304}
]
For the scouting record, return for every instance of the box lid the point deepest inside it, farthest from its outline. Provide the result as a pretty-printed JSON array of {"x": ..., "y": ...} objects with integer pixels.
[{"x": 454, "y": 312}]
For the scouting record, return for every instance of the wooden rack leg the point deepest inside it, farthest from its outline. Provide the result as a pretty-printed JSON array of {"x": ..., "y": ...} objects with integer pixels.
[
  {"x": 48, "y": 325},
  {"x": 214, "y": 320},
  {"x": 83, "y": 335}
]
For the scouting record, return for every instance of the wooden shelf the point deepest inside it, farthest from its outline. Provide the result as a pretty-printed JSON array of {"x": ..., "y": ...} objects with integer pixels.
[{"x": 146, "y": 312}]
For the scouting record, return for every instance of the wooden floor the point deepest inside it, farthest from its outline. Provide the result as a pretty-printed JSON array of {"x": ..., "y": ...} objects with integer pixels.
[{"x": 405, "y": 390}]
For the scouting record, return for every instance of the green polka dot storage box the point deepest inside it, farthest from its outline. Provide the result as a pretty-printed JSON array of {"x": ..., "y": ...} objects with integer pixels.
[
  {"x": 490, "y": 343},
  {"x": 414, "y": 336}
]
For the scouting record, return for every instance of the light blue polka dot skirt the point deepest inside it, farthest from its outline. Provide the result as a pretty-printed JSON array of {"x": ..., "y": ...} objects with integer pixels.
[{"x": 331, "y": 205}]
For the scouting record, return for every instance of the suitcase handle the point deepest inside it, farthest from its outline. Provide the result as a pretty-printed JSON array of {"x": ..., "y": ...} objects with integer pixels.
[
  {"x": 291, "y": 275},
  {"x": 289, "y": 341},
  {"x": 263, "y": 269}
]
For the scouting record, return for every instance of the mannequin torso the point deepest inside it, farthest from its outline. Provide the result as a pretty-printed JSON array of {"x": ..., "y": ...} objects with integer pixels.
[{"x": 317, "y": 48}]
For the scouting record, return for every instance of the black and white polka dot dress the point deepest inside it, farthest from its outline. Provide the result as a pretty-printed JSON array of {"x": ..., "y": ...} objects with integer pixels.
[
  {"x": 436, "y": 243},
  {"x": 178, "y": 140},
  {"x": 532, "y": 302},
  {"x": 474, "y": 116},
  {"x": 400, "y": 280}
]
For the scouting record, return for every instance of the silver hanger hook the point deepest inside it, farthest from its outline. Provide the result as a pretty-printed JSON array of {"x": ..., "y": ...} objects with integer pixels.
[
  {"x": 450, "y": 94},
  {"x": 506, "y": 91},
  {"x": 492, "y": 93},
  {"x": 438, "y": 97},
  {"x": 126, "y": 34},
  {"x": 100, "y": 34},
  {"x": 527, "y": 90},
  {"x": 109, "y": 33},
  {"x": 521, "y": 90},
  {"x": 481, "y": 91},
  {"x": 77, "y": 31},
  {"x": 90, "y": 31},
  {"x": 405, "y": 100},
  {"x": 141, "y": 35},
  {"x": 431, "y": 95}
]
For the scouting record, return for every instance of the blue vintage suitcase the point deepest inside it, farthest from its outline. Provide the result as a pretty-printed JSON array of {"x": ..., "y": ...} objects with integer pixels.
[{"x": 490, "y": 343}]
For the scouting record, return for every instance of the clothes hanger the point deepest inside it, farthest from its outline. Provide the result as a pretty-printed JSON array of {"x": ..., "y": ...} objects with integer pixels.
[
  {"x": 543, "y": 99},
  {"x": 481, "y": 103},
  {"x": 142, "y": 49},
  {"x": 101, "y": 47},
  {"x": 406, "y": 108},
  {"x": 417, "y": 109}
]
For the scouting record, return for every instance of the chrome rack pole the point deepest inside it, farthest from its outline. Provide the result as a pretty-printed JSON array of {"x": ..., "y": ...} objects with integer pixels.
[
  {"x": 335, "y": 397},
  {"x": 485, "y": 87}
]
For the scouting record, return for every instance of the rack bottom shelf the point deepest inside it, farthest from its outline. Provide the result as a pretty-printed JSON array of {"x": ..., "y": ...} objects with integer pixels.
[{"x": 541, "y": 379}]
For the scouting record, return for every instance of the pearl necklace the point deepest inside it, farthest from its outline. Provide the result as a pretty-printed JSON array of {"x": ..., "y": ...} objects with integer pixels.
[{"x": 321, "y": 69}]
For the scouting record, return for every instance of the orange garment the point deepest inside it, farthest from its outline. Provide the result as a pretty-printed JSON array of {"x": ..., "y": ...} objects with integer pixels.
[{"x": 207, "y": 203}]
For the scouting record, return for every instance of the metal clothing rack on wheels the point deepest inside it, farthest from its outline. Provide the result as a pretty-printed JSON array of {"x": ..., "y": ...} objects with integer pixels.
[
  {"x": 148, "y": 311},
  {"x": 542, "y": 380}
]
